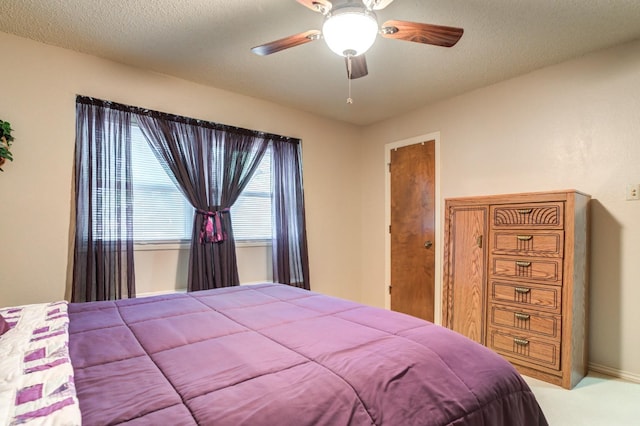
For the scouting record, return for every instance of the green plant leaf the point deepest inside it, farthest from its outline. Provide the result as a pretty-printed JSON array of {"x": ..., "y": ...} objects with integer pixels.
[{"x": 5, "y": 132}]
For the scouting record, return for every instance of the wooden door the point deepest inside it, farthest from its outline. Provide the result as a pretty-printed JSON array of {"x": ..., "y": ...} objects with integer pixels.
[
  {"x": 413, "y": 249},
  {"x": 465, "y": 270}
]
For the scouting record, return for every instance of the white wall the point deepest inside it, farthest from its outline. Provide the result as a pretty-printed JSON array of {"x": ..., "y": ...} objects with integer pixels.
[
  {"x": 164, "y": 268},
  {"x": 574, "y": 125},
  {"x": 39, "y": 86}
]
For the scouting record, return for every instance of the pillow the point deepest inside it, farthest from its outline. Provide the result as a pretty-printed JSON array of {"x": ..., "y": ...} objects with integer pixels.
[{"x": 4, "y": 327}]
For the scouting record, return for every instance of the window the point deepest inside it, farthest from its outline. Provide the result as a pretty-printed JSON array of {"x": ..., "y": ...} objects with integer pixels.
[
  {"x": 162, "y": 214},
  {"x": 105, "y": 205},
  {"x": 251, "y": 213}
]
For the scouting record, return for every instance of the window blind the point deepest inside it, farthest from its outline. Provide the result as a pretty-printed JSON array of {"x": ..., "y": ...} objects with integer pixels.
[{"x": 162, "y": 214}]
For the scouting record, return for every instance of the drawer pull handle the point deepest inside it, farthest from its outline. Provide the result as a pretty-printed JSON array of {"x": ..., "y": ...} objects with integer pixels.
[
  {"x": 520, "y": 342},
  {"x": 523, "y": 264},
  {"x": 525, "y": 237},
  {"x": 522, "y": 290},
  {"x": 524, "y": 211},
  {"x": 523, "y": 317}
]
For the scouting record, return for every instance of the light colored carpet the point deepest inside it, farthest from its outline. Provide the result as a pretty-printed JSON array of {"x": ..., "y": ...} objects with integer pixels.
[{"x": 598, "y": 400}]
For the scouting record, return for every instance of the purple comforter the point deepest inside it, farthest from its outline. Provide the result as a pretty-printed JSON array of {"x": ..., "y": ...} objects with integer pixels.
[{"x": 271, "y": 354}]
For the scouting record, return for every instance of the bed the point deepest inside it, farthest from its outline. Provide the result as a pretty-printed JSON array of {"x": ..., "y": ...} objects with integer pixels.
[{"x": 265, "y": 354}]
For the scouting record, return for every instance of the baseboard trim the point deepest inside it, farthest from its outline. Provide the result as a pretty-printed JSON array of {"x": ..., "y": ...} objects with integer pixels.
[{"x": 614, "y": 372}]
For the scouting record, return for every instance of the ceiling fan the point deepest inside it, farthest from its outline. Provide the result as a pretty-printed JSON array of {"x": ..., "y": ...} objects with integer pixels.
[{"x": 350, "y": 28}]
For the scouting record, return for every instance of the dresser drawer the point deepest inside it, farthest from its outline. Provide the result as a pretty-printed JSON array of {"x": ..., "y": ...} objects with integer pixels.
[
  {"x": 528, "y": 268},
  {"x": 521, "y": 320},
  {"x": 528, "y": 243},
  {"x": 528, "y": 295},
  {"x": 524, "y": 347},
  {"x": 533, "y": 216}
]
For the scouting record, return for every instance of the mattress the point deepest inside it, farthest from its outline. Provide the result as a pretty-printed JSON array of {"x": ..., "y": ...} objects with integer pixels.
[{"x": 271, "y": 354}]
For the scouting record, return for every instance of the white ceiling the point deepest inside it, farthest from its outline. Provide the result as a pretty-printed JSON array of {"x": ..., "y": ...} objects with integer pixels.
[{"x": 209, "y": 41}]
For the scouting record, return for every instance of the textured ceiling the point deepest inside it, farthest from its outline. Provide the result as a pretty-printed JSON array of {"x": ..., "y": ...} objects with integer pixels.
[{"x": 209, "y": 41}]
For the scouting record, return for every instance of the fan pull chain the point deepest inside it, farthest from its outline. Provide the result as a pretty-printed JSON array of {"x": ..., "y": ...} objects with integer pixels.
[{"x": 349, "y": 70}]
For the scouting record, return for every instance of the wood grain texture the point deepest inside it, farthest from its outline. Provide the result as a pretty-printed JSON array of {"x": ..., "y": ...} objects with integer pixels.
[
  {"x": 525, "y": 320},
  {"x": 537, "y": 280},
  {"x": 528, "y": 215},
  {"x": 437, "y": 35},
  {"x": 412, "y": 224},
  {"x": 465, "y": 268},
  {"x": 526, "y": 295},
  {"x": 286, "y": 43},
  {"x": 535, "y": 351},
  {"x": 527, "y": 268},
  {"x": 576, "y": 290},
  {"x": 530, "y": 243}
]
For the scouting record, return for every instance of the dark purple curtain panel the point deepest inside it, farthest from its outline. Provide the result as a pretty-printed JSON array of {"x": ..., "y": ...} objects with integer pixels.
[
  {"x": 103, "y": 267},
  {"x": 290, "y": 252},
  {"x": 211, "y": 165}
]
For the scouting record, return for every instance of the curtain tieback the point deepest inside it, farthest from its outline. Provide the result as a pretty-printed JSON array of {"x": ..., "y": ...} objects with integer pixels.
[{"x": 212, "y": 230}]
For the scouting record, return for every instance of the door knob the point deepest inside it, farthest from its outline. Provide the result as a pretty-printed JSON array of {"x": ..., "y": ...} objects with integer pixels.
[{"x": 428, "y": 244}]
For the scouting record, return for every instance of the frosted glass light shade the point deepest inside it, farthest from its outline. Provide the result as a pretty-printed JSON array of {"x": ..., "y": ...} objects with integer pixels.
[{"x": 350, "y": 31}]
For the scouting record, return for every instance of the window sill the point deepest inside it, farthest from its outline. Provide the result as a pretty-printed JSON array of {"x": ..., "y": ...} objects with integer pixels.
[
  {"x": 161, "y": 245},
  {"x": 184, "y": 245}
]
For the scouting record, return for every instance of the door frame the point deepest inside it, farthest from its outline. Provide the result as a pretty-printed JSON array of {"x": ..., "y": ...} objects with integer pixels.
[{"x": 435, "y": 136}]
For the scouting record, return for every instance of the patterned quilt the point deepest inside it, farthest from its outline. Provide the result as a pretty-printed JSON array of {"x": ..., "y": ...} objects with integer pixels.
[{"x": 36, "y": 375}]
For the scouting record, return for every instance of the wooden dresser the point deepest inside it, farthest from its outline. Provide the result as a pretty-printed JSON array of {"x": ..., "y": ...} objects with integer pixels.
[{"x": 515, "y": 279}]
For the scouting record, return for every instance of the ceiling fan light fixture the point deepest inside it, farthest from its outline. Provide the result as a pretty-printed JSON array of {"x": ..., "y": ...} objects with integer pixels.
[{"x": 349, "y": 30}]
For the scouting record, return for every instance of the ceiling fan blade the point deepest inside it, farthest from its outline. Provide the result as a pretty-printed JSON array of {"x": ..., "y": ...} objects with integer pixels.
[
  {"x": 322, "y": 6},
  {"x": 377, "y": 4},
  {"x": 358, "y": 66},
  {"x": 437, "y": 35},
  {"x": 286, "y": 43}
]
